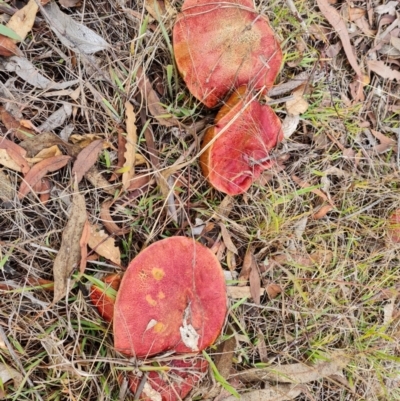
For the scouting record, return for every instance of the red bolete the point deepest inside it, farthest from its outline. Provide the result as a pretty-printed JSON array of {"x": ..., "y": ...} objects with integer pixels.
[
  {"x": 237, "y": 148},
  {"x": 223, "y": 44},
  {"x": 172, "y": 297}
]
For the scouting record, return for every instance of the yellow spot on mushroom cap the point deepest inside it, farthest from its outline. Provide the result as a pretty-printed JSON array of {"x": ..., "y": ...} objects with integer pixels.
[
  {"x": 160, "y": 295},
  {"x": 158, "y": 273},
  {"x": 159, "y": 327},
  {"x": 150, "y": 300}
]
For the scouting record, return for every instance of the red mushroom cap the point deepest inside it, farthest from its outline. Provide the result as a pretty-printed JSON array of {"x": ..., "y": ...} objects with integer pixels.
[
  {"x": 103, "y": 301},
  {"x": 223, "y": 44},
  {"x": 172, "y": 296},
  {"x": 237, "y": 147}
]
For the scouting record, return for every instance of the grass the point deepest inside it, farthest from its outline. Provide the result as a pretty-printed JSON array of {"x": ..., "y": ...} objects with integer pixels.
[{"x": 344, "y": 298}]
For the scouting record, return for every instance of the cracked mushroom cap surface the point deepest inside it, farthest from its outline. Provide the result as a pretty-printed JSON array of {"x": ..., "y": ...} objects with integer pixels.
[
  {"x": 237, "y": 148},
  {"x": 221, "y": 45},
  {"x": 172, "y": 296}
]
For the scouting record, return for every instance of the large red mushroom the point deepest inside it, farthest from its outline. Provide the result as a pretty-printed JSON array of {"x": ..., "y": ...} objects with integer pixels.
[
  {"x": 221, "y": 45},
  {"x": 171, "y": 298},
  {"x": 237, "y": 148}
]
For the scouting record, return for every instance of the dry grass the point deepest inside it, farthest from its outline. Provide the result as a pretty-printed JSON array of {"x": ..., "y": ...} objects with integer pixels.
[{"x": 339, "y": 302}]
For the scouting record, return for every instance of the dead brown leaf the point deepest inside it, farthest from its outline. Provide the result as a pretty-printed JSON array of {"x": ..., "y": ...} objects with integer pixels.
[
  {"x": 298, "y": 105},
  {"x": 45, "y": 154},
  {"x": 255, "y": 282},
  {"x": 224, "y": 356},
  {"x": 86, "y": 159},
  {"x": 83, "y": 243},
  {"x": 246, "y": 267},
  {"x": 297, "y": 373},
  {"x": 16, "y": 153},
  {"x": 130, "y": 146},
  {"x": 334, "y": 18},
  {"x": 386, "y": 143},
  {"x": 103, "y": 244},
  {"x": 383, "y": 70},
  {"x": 227, "y": 238},
  {"x": 355, "y": 13},
  {"x": 139, "y": 181},
  {"x": 241, "y": 292},
  {"x": 39, "y": 170},
  {"x": 279, "y": 392},
  {"x": 322, "y": 212},
  {"x": 8, "y": 47},
  {"x": 7, "y": 161},
  {"x": 69, "y": 255},
  {"x": 273, "y": 290},
  {"x": 153, "y": 101},
  {"x": 14, "y": 126},
  {"x": 108, "y": 222},
  {"x": 22, "y": 21}
]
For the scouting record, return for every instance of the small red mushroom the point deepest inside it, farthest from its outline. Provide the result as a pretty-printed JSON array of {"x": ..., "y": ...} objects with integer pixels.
[
  {"x": 172, "y": 297},
  {"x": 185, "y": 372},
  {"x": 221, "y": 45},
  {"x": 237, "y": 148},
  {"x": 102, "y": 298}
]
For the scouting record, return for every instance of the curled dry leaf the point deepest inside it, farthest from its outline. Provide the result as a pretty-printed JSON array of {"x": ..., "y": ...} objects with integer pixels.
[
  {"x": 69, "y": 255},
  {"x": 130, "y": 146},
  {"x": 289, "y": 125},
  {"x": 22, "y": 21},
  {"x": 39, "y": 170},
  {"x": 103, "y": 244},
  {"x": 86, "y": 159},
  {"x": 298, "y": 105},
  {"x": 227, "y": 239},
  {"x": 45, "y": 154},
  {"x": 108, "y": 222}
]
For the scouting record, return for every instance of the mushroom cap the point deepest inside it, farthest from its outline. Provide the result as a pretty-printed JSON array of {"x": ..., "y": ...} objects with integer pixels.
[
  {"x": 172, "y": 296},
  {"x": 182, "y": 377},
  {"x": 103, "y": 301},
  {"x": 244, "y": 133},
  {"x": 221, "y": 45}
]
